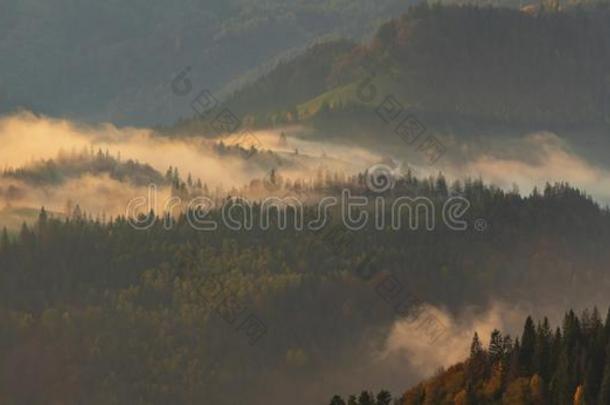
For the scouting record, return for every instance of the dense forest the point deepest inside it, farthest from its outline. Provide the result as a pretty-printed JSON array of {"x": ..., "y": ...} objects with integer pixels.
[
  {"x": 540, "y": 67},
  {"x": 97, "y": 311},
  {"x": 568, "y": 365}
]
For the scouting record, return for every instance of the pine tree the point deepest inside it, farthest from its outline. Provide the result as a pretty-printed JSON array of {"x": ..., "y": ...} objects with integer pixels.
[
  {"x": 476, "y": 366},
  {"x": 514, "y": 366},
  {"x": 556, "y": 349},
  {"x": 604, "y": 390},
  {"x": 366, "y": 398},
  {"x": 496, "y": 347},
  {"x": 607, "y": 326},
  {"x": 337, "y": 400},
  {"x": 441, "y": 186},
  {"x": 475, "y": 347},
  {"x": 561, "y": 388},
  {"x": 24, "y": 232},
  {"x": 42, "y": 219},
  {"x": 384, "y": 397},
  {"x": 4, "y": 240},
  {"x": 594, "y": 372},
  {"x": 528, "y": 346},
  {"x": 571, "y": 330},
  {"x": 507, "y": 342},
  {"x": 542, "y": 350}
]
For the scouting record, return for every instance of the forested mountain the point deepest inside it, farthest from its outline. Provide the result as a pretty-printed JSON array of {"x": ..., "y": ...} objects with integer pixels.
[
  {"x": 97, "y": 311},
  {"x": 324, "y": 205},
  {"x": 539, "y": 68},
  {"x": 114, "y": 60},
  {"x": 66, "y": 166}
]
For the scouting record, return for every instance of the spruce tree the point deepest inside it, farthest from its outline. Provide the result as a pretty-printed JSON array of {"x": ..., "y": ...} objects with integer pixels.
[
  {"x": 607, "y": 326},
  {"x": 528, "y": 346},
  {"x": 384, "y": 397},
  {"x": 496, "y": 347},
  {"x": 337, "y": 400},
  {"x": 542, "y": 351},
  {"x": 4, "y": 240},
  {"x": 477, "y": 363},
  {"x": 604, "y": 390},
  {"x": 366, "y": 398},
  {"x": 475, "y": 347},
  {"x": 596, "y": 359}
]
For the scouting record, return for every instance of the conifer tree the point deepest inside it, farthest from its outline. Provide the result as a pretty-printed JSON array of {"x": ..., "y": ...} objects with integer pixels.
[
  {"x": 594, "y": 372},
  {"x": 366, "y": 398},
  {"x": 528, "y": 346},
  {"x": 384, "y": 397},
  {"x": 496, "y": 347},
  {"x": 542, "y": 351},
  {"x": 337, "y": 400},
  {"x": 476, "y": 366},
  {"x": 604, "y": 390},
  {"x": 4, "y": 240}
]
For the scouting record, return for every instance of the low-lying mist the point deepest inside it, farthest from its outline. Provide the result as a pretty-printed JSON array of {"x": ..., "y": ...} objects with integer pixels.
[
  {"x": 28, "y": 139},
  {"x": 524, "y": 162}
]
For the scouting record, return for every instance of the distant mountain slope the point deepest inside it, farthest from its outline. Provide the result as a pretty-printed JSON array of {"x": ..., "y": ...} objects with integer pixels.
[
  {"x": 71, "y": 166},
  {"x": 535, "y": 68},
  {"x": 114, "y": 60}
]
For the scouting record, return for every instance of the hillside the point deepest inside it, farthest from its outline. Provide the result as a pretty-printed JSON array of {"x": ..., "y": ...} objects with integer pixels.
[
  {"x": 98, "y": 312},
  {"x": 566, "y": 365},
  {"x": 459, "y": 65},
  {"x": 115, "y": 60}
]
